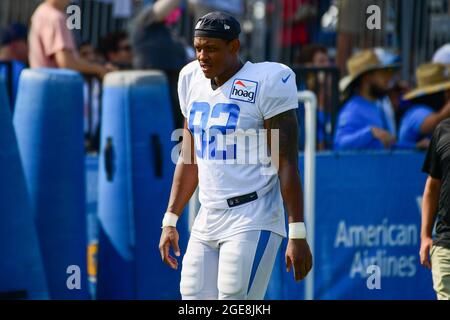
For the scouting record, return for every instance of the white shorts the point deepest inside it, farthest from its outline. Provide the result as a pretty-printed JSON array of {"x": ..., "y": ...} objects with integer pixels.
[{"x": 234, "y": 268}]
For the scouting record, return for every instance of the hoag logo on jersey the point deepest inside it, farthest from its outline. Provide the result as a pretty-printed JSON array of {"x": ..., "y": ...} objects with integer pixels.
[{"x": 244, "y": 90}]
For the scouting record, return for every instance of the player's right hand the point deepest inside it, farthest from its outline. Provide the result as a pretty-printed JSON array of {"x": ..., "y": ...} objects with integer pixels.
[{"x": 169, "y": 237}]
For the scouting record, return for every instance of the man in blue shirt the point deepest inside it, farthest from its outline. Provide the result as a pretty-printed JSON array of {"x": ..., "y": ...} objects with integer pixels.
[
  {"x": 420, "y": 120},
  {"x": 362, "y": 123}
]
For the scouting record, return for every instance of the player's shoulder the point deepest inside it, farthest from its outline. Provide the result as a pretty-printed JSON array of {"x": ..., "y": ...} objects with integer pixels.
[
  {"x": 190, "y": 70},
  {"x": 267, "y": 70},
  {"x": 273, "y": 77},
  {"x": 272, "y": 67}
]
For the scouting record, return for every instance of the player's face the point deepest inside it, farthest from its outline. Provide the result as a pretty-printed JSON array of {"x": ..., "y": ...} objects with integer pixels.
[{"x": 214, "y": 55}]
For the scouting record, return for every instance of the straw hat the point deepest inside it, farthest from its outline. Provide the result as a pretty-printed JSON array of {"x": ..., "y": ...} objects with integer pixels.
[
  {"x": 360, "y": 64},
  {"x": 431, "y": 78}
]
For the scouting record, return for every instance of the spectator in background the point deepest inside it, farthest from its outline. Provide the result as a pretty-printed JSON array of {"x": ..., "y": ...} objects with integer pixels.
[
  {"x": 316, "y": 56},
  {"x": 13, "y": 57},
  {"x": 87, "y": 52},
  {"x": 351, "y": 28},
  {"x": 156, "y": 47},
  {"x": 202, "y": 7},
  {"x": 52, "y": 44},
  {"x": 92, "y": 97},
  {"x": 296, "y": 15},
  {"x": 14, "y": 45},
  {"x": 362, "y": 122},
  {"x": 116, "y": 49},
  {"x": 430, "y": 105},
  {"x": 391, "y": 103}
]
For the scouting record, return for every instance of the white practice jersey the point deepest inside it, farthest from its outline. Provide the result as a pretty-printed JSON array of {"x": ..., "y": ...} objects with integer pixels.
[{"x": 228, "y": 129}]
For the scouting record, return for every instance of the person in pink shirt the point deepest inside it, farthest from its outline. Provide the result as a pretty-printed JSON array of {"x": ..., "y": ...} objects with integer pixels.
[{"x": 52, "y": 44}]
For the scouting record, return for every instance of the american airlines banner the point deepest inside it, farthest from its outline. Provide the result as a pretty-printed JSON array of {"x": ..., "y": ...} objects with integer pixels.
[{"x": 367, "y": 227}]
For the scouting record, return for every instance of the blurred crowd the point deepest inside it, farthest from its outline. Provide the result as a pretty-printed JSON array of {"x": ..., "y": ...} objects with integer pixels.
[{"x": 363, "y": 103}]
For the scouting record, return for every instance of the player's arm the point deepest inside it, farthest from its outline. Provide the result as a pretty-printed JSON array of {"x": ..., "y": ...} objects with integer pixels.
[
  {"x": 185, "y": 181},
  {"x": 429, "y": 209},
  {"x": 185, "y": 178},
  {"x": 298, "y": 253}
]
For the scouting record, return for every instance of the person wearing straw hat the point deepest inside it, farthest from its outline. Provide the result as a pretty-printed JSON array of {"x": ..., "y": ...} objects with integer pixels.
[
  {"x": 430, "y": 105},
  {"x": 362, "y": 123}
]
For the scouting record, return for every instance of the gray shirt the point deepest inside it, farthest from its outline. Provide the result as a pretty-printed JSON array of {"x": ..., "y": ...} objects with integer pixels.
[{"x": 154, "y": 44}]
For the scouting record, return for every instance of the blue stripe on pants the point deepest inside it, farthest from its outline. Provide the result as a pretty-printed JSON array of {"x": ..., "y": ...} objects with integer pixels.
[{"x": 262, "y": 244}]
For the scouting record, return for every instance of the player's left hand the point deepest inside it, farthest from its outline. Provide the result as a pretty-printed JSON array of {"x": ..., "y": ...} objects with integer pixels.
[{"x": 298, "y": 255}]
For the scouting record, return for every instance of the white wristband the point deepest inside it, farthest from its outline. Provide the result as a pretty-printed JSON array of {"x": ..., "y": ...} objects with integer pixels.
[
  {"x": 170, "y": 220},
  {"x": 297, "y": 230}
]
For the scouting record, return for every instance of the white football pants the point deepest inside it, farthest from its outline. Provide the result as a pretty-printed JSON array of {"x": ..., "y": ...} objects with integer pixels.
[{"x": 235, "y": 268}]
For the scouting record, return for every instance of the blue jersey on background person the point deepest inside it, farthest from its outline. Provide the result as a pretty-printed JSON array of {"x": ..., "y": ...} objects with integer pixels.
[
  {"x": 410, "y": 126},
  {"x": 430, "y": 105},
  {"x": 362, "y": 123},
  {"x": 355, "y": 123}
]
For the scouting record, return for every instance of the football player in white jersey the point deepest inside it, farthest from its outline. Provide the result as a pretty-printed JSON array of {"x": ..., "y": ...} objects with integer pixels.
[{"x": 231, "y": 110}]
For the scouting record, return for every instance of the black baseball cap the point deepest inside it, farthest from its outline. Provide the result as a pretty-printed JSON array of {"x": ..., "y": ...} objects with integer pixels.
[{"x": 217, "y": 25}]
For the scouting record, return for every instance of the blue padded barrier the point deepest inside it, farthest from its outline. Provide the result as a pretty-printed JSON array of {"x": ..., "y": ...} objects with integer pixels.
[
  {"x": 21, "y": 269},
  {"x": 135, "y": 175},
  {"x": 49, "y": 124}
]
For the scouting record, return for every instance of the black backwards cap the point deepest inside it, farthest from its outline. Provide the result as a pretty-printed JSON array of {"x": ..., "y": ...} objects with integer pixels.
[{"x": 217, "y": 25}]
